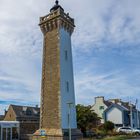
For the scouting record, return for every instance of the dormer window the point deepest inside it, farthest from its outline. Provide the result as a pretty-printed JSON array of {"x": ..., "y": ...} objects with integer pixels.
[
  {"x": 24, "y": 108},
  {"x": 28, "y": 112}
]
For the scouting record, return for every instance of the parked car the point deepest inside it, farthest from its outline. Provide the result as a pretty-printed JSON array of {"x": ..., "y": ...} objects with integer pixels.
[{"x": 128, "y": 130}]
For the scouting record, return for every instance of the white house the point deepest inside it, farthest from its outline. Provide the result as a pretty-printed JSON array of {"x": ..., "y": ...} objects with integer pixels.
[
  {"x": 122, "y": 114},
  {"x": 100, "y": 106},
  {"x": 119, "y": 112}
]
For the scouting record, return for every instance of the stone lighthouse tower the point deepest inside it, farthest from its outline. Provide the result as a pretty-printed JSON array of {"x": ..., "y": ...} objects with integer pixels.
[{"x": 58, "y": 113}]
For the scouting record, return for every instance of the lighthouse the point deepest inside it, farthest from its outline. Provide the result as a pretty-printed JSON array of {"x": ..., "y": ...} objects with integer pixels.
[{"x": 57, "y": 112}]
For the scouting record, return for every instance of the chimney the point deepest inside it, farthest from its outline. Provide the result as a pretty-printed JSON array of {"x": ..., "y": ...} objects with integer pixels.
[
  {"x": 99, "y": 99},
  {"x": 119, "y": 103}
]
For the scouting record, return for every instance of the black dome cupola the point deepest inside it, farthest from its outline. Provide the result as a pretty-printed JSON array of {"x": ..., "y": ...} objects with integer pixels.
[{"x": 56, "y": 6}]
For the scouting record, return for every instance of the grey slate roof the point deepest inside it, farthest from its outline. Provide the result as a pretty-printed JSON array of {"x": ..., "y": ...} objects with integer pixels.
[
  {"x": 26, "y": 111},
  {"x": 107, "y": 103}
]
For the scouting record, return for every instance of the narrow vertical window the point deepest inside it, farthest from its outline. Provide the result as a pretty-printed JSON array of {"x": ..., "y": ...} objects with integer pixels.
[
  {"x": 66, "y": 55},
  {"x": 67, "y": 86}
]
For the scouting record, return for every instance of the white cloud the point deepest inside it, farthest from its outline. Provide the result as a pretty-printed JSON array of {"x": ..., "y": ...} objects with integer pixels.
[
  {"x": 107, "y": 23},
  {"x": 2, "y": 108}
]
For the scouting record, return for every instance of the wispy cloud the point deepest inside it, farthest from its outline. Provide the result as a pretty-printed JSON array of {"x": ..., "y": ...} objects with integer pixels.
[{"x": 110, "y": 85}]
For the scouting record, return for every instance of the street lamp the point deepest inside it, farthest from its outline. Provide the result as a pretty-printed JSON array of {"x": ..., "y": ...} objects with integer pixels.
[{"x": 69, "y": 113}]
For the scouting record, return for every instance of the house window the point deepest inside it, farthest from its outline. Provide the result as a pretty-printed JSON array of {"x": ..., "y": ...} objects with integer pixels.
[
  {"x": 101, "y": 107},
  {"x": 67, "y": 86},
  {"x": 66, "y": 55}
]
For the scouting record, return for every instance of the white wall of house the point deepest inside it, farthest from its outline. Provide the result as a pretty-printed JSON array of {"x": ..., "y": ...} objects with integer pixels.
[
  {"x": 114, "y": 115},
  {"x": 99, "y": 107}
]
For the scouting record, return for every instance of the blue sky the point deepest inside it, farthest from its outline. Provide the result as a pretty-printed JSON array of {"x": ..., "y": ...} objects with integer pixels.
[{"x": 106, "y": 49}]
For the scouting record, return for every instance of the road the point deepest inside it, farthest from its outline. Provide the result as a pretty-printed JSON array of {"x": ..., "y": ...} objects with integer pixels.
[{"x": 138, "y": 138}]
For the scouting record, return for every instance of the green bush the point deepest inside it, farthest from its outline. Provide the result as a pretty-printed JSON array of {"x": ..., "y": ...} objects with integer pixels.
[{"x": 108, "y": 126}]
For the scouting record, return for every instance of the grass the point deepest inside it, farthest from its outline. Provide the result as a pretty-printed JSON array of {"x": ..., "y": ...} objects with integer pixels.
[{"x": 117, "y": 138}]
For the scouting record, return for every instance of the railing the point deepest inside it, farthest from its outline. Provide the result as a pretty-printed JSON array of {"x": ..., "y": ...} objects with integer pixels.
[{"x": 58, "y": 12}]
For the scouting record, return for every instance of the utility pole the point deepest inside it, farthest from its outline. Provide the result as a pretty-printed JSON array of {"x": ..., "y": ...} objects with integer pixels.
[
  {"x": 131, "y": 115},
  {"x": 138, "y": 123},
  {"x": 69, "y": 115}
]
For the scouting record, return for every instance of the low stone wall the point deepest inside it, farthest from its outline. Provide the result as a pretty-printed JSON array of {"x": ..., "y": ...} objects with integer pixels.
[
  {"x": 27, "y": 129},
  {"x": 26, "y": 137}
]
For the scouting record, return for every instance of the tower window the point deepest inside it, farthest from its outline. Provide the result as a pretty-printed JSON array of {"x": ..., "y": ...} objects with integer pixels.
[
  {"x": 66, "y": 55},
  {"x": 67, "y": 86}
]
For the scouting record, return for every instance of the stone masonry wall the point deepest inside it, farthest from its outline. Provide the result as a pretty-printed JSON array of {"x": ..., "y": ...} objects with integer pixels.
[
  {"x": 50, "y": 98},
  {"x": 10, "y": 115}
]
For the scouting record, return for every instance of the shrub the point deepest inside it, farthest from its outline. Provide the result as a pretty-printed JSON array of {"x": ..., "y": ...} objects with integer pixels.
[{"x": 108, "y": 126}]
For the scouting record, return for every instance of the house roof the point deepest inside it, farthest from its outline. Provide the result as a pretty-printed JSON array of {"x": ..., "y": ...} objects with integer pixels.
[
  {"x": 123, "y": 104},
  {"x": 26, "y": 111},
  {"x": 120, "y": 107},
  {"x": 107, "y": 103},
  {"x": 129, "y": 106}
]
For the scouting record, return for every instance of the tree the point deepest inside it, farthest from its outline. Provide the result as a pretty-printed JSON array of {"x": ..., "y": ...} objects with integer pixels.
[{"x": 86, "y": 118}]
